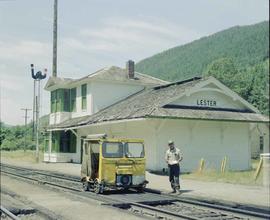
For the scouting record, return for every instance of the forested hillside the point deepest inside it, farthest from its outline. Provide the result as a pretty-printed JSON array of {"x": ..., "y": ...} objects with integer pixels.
[{"x": 240, "y": 53}]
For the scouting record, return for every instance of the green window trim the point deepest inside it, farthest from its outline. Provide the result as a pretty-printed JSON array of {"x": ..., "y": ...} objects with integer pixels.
[
  {"x": 84, "y": 96},
  {"x": 73, "y": 94},
  {"x": 66, "y": 101},
  {"x": 55, "y": 141},
  {"x": 63, "y": 100},
  {"x": 59, "y": 96},
  {"x": 63, "y": 142},
  {"x": 53, "y": 101}
]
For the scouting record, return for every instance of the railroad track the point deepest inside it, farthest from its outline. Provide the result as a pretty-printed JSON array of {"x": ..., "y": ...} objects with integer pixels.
[
  {"x": 148, "y": 204},
  {"x": 6, "y": 214}
]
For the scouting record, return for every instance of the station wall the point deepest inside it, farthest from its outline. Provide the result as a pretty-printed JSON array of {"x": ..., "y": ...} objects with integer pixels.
[{"x": 210, "y": 140}]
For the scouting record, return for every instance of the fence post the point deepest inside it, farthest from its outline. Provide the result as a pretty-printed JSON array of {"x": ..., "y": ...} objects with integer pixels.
[
  {"x": 223, "y": 164},
  {"x": 259, "y": 168},
  {"x": 201, "y": 165}
]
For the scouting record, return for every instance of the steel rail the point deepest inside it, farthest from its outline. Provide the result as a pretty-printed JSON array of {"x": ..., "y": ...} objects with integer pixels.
[
  {"x": 163, "y": 211},
  {"x": 144, "y": 206},
  {"x": 41, "y": 181},
  {"x": 8, "y": 213},
  {"x": 215, "y": 206},
  {"x": 226, "y": 208},
  {"x": 113, "y": 202},
  {"x": 106, "y": 198},
  {"x": 45, "y": 174}
]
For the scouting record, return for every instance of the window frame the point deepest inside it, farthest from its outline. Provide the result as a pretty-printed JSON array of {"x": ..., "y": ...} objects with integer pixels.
[
  {"x": 53, "y": 101},
  {"x": 261, "y": 143},
  {"x": 126, "y": 151},
  {"x": 66, "y": 100},
  {"x": 73, "y": 95},
  {"x": 105, "y": 154},
  {"x": 84, "y": 96}
]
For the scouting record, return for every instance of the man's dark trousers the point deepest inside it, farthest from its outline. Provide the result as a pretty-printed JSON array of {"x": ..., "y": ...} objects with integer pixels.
[{"x": 174, "y": 171}]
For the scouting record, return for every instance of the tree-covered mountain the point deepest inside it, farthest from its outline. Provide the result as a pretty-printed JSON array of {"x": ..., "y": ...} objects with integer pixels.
[
  {"x": 240, "y": 54},
  {"x": 246, "y": 45}
]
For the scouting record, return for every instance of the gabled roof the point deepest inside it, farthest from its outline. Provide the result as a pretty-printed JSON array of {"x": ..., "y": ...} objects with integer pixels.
[
  {"x": 111, "y": 74},
  {"x": 151, "y": 103},
  {"x": 60, "y": 82}
]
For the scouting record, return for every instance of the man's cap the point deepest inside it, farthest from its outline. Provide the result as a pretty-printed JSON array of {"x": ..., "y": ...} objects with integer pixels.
[{"x": 170, "y": 142}]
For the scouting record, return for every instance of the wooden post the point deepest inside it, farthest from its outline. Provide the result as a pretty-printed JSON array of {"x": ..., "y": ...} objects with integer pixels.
[
  {"x": 223, "y": 165},
  {"x": 54, "y": 67},
  {"x": 202, "y": 162},
  {"x": 258, "y": 170}
]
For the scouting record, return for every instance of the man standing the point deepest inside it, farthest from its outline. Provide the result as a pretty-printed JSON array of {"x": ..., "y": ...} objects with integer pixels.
[{"x": 173, "y": 157}]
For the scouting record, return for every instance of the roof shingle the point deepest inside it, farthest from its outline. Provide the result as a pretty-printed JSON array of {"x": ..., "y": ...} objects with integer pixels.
[
  {"x": 149, "y": 103},
  {"x": 112, "y": 74}
]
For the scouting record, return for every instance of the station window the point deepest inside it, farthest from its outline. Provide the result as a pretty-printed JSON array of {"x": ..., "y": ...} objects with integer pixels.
[
  {"x": 53, "y": 101},
  {"x": 73, "y": 100},
  {"x": 46, "y": 145},
  {"x": 66, "y": 100},
  {"x": 67, "y": 142},
  {"x": 261, "y": 143},
  {"x": 63, "y": 142},
  {"x": 55, "y": 141},
  {"x": 84, "y": 95},
  {"x": 60, "y": 100}
]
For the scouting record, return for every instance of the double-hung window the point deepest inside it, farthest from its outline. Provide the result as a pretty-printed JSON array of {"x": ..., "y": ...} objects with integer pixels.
[
  {"x": 84, "y": 96},
  {"x": 66, "y": 100},
  {"x": 73, "y": 100},
  {"x": 53, "y": 101}
]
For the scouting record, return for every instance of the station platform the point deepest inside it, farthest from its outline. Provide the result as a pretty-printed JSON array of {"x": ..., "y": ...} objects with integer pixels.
[{"x": 212, "y": 191}]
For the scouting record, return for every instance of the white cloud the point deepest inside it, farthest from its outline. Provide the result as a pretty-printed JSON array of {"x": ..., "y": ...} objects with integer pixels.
[
  {"x": 135, "y": 36},
  {"x": 23, "y": 50},
  {"x": 16, "y": 81},
  {"x": 114, "y": 41}
]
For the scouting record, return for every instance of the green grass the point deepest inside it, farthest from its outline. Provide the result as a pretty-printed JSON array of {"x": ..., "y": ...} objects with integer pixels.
[
  {"x": 235, "y": 177},
  {"x": 27, "y": 156}
]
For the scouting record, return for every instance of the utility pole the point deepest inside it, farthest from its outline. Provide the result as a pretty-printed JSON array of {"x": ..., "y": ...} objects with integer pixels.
[
  {"x": 54, "y": 66},
  {"x": 37, "y": 77},
  {"x": 25, "y": 124},
  {"x": 34, "y": 111}
]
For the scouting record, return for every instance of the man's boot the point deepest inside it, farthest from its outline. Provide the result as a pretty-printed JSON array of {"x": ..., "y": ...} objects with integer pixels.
[
  {"x": 177, "y": 185},
  {"x": 173, "y": 187}
]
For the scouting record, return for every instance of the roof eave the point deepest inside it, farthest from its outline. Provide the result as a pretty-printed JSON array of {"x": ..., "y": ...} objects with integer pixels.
[
  {"x": 94, "y": 124},
  {"x": 208, "y": 119}
]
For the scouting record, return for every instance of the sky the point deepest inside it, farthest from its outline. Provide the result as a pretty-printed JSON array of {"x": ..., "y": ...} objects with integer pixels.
[{"x": 93, "y": 34}]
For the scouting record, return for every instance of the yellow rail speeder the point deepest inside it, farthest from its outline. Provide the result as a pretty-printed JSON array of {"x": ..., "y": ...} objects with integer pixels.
[{"x": 112, "y": 163}]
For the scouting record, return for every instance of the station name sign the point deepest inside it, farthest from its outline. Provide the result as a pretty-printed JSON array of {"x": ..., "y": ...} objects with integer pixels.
[{"x": 206, "y": 102}]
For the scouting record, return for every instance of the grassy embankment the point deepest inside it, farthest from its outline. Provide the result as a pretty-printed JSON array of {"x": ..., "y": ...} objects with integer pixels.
[
  {"x": 235, "y": 177},
  {"x": 27, "y": 156}
]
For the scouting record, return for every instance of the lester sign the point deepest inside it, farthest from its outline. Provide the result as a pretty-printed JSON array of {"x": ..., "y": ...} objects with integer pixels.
[
  {"x": 206, "y": 103},
  {"x": 209, "y": 99}
]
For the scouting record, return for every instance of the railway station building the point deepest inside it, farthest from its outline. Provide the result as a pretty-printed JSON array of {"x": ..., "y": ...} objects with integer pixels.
[{"x": 204, "y": 118}]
